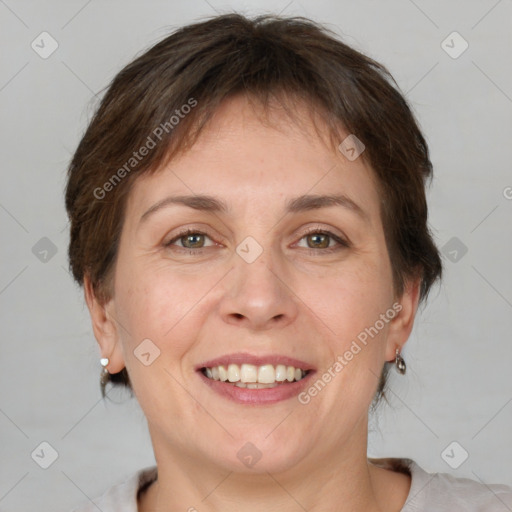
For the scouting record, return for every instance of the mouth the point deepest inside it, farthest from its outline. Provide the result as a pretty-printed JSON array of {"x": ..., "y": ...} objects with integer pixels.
[
  {"x": 250, "y": 376},
  {"x": 255, "y": 380}
]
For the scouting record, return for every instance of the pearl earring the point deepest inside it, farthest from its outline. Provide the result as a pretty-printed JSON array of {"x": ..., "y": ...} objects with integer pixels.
[{"x": 105, "y": 375}]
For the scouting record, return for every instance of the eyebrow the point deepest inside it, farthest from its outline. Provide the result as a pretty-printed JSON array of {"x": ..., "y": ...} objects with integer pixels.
[
  {"x": 314, "y": 202},
  {"x": 295, "y": 205},
  {"x": 197, "y": 202}
]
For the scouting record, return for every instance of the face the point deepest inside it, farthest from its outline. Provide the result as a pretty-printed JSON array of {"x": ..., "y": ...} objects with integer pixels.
[{"x": 267, "y": 274}]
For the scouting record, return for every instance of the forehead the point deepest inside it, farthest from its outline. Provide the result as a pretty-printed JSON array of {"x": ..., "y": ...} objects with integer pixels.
[{"x": 248, "y": 153}]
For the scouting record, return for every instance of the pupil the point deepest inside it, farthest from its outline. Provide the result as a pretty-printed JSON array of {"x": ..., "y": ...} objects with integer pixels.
[
  {"x": 320, "y": 237},
  {"x": 193, "y": 240}
]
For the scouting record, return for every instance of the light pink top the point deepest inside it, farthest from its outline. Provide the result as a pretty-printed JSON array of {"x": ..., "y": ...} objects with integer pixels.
[{"x": 429, "y": 492}]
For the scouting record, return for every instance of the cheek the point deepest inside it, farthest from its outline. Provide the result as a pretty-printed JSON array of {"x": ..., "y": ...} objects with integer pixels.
[
  {"x": 356, "y": 312},
  {"x": 153, "y": 336},
  {"x": 350, "y": 305},
  {"x": 163, "y": 306},
  {"x": 351, "y": 300},
  {"x": 150, "y": 307}
]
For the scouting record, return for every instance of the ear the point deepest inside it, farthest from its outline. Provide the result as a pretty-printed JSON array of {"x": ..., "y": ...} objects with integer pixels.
[
  {"x": 105, "y": 328},
  {"x": 401, "y": 325}
]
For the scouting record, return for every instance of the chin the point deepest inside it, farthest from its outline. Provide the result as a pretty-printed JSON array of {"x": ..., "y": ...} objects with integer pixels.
[{"x": 255, "y": 454}]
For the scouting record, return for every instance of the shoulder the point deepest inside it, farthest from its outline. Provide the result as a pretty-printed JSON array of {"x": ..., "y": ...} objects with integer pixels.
[
  {"x": 444, "y": 492},
  {"x": 122, "y": 497}
]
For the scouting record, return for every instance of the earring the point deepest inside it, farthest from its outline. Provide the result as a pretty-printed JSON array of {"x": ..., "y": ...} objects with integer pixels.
[
  {"x": 400, "y": 363},
  {"x": 104, "y": 361}
]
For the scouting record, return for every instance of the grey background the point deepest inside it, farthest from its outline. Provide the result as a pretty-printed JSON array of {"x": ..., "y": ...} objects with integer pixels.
[{"x": 458, "y": 386}]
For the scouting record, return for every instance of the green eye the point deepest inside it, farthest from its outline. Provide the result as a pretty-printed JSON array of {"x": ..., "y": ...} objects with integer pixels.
[
  {"x": 318, "y": 240},
  {"x": 322, "y": 240},
  {"x": 192, "y": 241}
]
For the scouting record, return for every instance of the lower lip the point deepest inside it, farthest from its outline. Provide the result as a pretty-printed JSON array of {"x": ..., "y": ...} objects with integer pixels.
[{"x": 257, "y": 396}]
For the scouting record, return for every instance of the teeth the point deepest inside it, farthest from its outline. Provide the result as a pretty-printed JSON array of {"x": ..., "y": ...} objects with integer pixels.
[
  {"x": 249, "y": 373},
  {"x": 223, "y": 373},
  {"x": 255, "y": 377},
  {"x": 255, "y": 385},
  {"x": 267, "y": 374},
  {"x": 233, "y": 373},
  {"x": 280, "y": 372}
]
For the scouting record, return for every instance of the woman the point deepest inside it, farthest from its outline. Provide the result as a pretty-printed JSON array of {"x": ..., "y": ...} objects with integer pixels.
[{"x": 249, "y": 223}]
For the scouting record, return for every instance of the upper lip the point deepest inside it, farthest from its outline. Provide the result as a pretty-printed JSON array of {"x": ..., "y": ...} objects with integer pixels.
[{"x": 257, "y": 360}]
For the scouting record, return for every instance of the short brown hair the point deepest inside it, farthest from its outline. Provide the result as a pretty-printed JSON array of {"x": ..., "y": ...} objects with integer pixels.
[{"x": 267, "y": 58}]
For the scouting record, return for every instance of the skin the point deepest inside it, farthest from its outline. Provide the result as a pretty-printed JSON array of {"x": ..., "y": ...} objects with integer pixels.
[{"x": 296, "y": 299}]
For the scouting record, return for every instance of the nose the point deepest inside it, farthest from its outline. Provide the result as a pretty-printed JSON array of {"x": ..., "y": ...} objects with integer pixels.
[{"x": 258, "y": 296}]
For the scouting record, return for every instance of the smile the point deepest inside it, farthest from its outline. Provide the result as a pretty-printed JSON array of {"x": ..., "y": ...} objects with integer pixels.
[{"x": 255, "y": 377}]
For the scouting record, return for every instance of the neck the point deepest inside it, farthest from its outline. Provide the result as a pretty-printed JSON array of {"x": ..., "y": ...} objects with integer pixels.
[{"x": 339, "y": 479}]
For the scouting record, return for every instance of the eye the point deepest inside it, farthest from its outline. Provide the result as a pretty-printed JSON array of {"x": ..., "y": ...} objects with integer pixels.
[
  {"x": 190, "y": 239},
  {"x": 325, "y": 240},
  {"x": 315, "y": 239}
]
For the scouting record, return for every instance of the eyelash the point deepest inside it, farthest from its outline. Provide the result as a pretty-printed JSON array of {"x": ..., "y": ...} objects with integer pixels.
[{"x": 343, "y": 244}]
